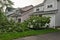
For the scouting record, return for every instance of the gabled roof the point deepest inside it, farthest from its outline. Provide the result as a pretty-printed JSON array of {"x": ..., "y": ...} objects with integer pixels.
[
  {"x": 22, "y": 10},
  {"x": 27, "y": 8}
]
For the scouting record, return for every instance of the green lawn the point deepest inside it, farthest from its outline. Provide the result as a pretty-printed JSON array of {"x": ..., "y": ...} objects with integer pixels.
[{"x": 11, "y": 36}]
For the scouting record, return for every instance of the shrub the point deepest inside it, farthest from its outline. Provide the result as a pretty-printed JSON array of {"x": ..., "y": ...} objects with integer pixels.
[
  {"x": 37, "y": 22},
  {"x": 10, "y": 26}
]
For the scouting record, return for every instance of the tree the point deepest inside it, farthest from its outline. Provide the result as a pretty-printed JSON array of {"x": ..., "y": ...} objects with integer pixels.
[
  {"x": 5, "y": 3},
  {"x": 3, "y": 18}
]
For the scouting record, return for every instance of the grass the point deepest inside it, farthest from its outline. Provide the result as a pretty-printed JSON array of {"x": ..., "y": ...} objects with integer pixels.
[{"x": 11, "y": 36}]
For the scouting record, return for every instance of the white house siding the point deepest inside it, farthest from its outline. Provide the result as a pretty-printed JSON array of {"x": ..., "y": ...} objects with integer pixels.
[
  {"x": 52, "y": 19},
  {"x": 34, "y": 10},
  {"x": 50, "y": 2},
  {"x": 58, "y": 15},
  {"x": 41, "y": 8},
  {"x": 24, "y": 17}
]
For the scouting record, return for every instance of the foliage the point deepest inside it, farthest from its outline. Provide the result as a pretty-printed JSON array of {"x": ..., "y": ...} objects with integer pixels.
[
  {"x": 24, "y": 27},
  {"x": 5, "y": 3},
  {"x": 12, "y": 36},
  {"x": 10, "y": 26},
  {"x": 37, "y": 21}
]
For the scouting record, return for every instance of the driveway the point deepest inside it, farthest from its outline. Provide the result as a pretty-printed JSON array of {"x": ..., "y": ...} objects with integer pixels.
[{"x": 50, "y": 36}]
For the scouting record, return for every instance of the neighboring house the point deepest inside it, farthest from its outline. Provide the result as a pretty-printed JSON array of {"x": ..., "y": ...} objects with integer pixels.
[
  {"x": 11, "y": 13},
  {"x": 49, "y": 8},
  {"x": 26, "y": 12},
  {"x": 19, "y": 14}
]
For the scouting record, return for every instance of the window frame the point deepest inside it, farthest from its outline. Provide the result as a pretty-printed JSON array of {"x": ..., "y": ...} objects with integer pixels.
[
  {"x": 37, "y": 9},
  {"x": 50, "y": 6}
]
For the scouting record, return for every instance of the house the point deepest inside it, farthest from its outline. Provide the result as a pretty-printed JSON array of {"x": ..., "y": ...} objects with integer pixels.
[
  {"x": 19, "y": 14},
  {"x": 26, "y": 12},
  {"x": 49, "y": 8},
  {"x": 11, "y": 13}
]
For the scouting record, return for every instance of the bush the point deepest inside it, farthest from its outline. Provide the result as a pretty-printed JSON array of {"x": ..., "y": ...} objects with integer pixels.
[
  {"x": 37, "y": 22},
  {"x": 10, "y": 26}
]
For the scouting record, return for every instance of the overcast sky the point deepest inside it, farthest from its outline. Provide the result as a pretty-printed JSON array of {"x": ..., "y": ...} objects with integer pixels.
[{"x": 23, "y": 3}]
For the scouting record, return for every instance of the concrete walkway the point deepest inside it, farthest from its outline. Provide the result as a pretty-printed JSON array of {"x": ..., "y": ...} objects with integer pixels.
[{"x": 50, "y": 36}]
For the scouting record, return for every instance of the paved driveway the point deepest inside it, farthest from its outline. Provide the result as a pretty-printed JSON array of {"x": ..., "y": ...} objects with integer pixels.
[{"x": 50, "y": 36}]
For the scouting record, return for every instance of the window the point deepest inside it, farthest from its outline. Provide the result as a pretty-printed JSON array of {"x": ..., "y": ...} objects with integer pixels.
[
  {"x": 4, "y": 0},
  {"x": 19, "y": 20},
  {"x": 9, "y": 10},
  {"x": 37, "y": 9},
  {"x": 40, "y": 15},
  {"x": 58, "y": 0},
  {"x": 49, "y": 6}
]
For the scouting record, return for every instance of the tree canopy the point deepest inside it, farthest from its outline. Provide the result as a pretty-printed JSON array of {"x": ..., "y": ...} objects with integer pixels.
[{"x": 5, "y": 3}]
